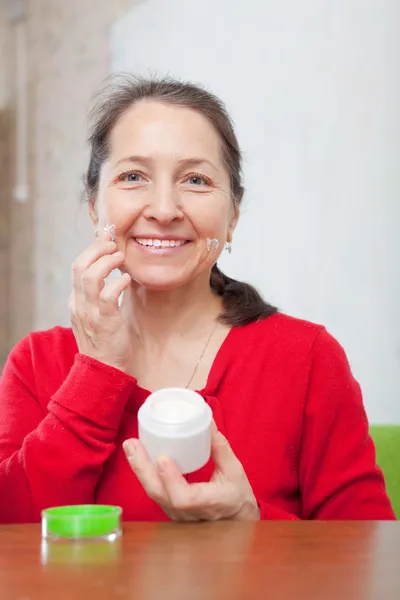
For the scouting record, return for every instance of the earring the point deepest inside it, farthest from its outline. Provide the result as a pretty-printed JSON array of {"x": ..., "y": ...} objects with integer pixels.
[{"x": 228, "y": 247}]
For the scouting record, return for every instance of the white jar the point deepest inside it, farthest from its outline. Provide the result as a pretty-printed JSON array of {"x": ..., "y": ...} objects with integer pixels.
[{"x": 176, "y": 422}]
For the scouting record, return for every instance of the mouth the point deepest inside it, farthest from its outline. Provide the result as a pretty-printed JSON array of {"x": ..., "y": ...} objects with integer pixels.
[{"x": 160, "y": 246}]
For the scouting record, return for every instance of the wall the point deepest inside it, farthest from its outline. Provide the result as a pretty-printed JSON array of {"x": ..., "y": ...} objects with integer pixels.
[
  {"x": 4, "y": 216},
  {"x": 4, "y": 49},
  {"x": 5, "y": 126},
  {"x": 313, "y": 87},
  {"x": 68, "y": 56},
  {"x": 72, "y": 54},
  {"x": 6, "y": 177}
]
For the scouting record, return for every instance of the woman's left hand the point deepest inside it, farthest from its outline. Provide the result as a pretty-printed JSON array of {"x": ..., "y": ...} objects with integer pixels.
[{"x": 228, "y": 495}]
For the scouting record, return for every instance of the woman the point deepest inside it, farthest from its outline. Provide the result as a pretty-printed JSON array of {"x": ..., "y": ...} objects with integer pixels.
[{"x": 291, "y": 436}]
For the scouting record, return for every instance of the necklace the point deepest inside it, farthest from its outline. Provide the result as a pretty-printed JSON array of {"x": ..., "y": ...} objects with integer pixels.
[{"x": 201, "y": 355}]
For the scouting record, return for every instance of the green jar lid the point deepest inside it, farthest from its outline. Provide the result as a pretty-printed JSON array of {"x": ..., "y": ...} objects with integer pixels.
[{"x": 81, "y": 521}]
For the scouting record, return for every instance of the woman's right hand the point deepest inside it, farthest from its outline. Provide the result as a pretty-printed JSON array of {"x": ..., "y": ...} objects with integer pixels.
[{"x": 97, "y": 323}]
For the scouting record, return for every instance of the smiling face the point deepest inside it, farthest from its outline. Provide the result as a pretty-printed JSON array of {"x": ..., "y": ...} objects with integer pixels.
[{"x": 167, "y": 190}]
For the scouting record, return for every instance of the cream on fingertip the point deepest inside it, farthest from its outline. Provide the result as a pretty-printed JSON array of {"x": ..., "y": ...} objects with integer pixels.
[{"x": 112, "y": 230}]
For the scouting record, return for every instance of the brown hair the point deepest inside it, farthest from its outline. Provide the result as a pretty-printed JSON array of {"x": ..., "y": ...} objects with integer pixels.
[{"x": 242, "y": 303}]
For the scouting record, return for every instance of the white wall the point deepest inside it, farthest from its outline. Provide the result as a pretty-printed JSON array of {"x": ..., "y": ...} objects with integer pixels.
[
  {"x": 4, "y": 52},
  {"x": 314, "y": 89}
]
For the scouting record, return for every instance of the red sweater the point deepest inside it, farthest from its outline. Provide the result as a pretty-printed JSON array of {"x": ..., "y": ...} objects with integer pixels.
[{"x": 281, "y": 391}]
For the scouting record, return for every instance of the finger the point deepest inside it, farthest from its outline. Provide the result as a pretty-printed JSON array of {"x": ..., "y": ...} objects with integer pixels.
[
  {"x": 181, "y": 516},
  {"x": 145, "y": 471},
  {"x": 87, "y": 258},
  {"x": 109, "y": 295},
  {"x": 174, "y": 482},
  {"x": 223, "y": 455},
  {"x": 103, "y": 242},
  {"x": 92, "y": 279},
  {"x": 109, "y": 233},
  {"x": 192, "y": 498}
]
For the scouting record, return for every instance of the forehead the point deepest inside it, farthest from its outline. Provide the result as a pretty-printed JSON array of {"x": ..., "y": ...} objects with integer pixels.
[{"x": 162, "y": 129}]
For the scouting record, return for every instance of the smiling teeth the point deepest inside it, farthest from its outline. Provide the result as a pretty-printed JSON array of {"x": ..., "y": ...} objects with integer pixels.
[{"x": 160, "y": 243}]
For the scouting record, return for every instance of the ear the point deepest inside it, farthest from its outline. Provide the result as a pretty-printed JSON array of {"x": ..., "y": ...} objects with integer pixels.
[
  {"x": 94, "y": 217},
  {"x": 233, "y": 222}
]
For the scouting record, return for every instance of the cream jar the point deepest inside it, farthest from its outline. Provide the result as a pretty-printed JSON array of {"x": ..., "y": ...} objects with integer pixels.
[{"x": 176, "y": 422}]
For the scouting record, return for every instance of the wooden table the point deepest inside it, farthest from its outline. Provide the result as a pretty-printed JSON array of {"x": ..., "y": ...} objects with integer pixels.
[{"x": 227, "y": 560}]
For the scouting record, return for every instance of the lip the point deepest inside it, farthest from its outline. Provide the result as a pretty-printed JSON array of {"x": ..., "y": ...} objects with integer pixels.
[
  {"x": 158, "y": 236},
  {"x": 159, "y": 251}
]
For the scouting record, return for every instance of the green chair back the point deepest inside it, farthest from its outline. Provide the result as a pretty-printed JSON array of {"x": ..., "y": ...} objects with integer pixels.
[{"x": 387, "y": 443}]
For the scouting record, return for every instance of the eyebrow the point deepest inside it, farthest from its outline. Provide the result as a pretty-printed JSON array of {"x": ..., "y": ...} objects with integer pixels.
[
  {"x": 138, "y": 159},
  {"x": 193, "y": 162},
  {"x": 145, "y": 160}
]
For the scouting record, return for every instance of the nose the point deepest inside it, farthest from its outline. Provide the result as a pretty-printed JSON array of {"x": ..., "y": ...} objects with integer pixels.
[{"x": 163, "y": 204}]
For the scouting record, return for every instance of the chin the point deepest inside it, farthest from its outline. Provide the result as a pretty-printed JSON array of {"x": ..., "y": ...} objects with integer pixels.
[
  {"x": 159, "y": 286},
  {"x": 159, "y": 281}
]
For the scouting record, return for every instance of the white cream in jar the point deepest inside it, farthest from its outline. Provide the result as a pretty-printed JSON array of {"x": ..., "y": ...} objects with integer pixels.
[{"x": 176, "y": 422}]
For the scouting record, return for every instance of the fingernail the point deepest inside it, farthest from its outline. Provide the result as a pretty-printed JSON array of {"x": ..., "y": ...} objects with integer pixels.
[{"x": 129, "y": 448}]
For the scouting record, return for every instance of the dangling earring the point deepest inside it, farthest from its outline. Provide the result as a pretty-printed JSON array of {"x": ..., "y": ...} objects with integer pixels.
[{"x": 228, "y": 247}]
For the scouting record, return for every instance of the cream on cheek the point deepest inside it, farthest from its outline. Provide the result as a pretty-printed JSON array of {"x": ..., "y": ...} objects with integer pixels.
[
  {"x": 208, "y": 208},
  {"x": 212, "y": 228},
  {"x": 210, "y": 215},
  {"x": 115, "y": 205},
  {"x": 217, "y": 211}
]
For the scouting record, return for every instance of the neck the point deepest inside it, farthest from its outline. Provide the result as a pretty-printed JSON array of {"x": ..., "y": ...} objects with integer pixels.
[{"x": 158, "y": 318}]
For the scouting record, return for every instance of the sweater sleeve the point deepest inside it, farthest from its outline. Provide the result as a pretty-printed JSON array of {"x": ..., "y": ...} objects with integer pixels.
[
  {"x": 339, "y": 477},
  {"x": 56, "y": 457}
]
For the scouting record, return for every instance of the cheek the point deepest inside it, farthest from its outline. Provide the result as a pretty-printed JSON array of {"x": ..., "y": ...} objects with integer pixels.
[
  {"x": 211, "y": 218},
  {"x": 119, "y": 208}
]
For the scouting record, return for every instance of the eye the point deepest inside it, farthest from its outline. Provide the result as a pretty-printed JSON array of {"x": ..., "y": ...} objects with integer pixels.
[
  {"x": 197, "y": 179},
  {"x": 131, "y": 177}
]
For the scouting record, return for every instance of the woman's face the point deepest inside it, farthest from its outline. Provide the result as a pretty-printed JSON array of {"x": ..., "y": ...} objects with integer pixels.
[{"x": 166, "y": 189}]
